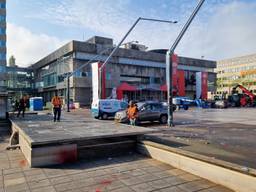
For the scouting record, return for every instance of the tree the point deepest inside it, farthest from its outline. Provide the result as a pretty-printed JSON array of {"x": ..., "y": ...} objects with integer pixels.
[{"x": 12, "y": 61}]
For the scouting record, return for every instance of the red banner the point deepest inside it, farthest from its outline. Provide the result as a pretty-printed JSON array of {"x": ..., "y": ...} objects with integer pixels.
[
  {"x": 174, "y": 71},
  {"x": 204, "y": 85},
  {"x": 181, "y": 83}
]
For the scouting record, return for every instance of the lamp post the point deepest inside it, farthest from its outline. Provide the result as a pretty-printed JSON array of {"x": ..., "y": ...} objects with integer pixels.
[
  {"x": 121, "y": 41},
  {"x": 169, "y": 54},
  {"x": 63, "y": 59}
]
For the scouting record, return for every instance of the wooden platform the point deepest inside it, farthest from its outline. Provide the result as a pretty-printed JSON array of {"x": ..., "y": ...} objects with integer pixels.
[{"x": 44, "y": 142}]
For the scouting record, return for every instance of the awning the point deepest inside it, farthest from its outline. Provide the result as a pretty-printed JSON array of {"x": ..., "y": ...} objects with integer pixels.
[
  {"x": 126, "y": 87},
  {"x": 163, "y": 87}
]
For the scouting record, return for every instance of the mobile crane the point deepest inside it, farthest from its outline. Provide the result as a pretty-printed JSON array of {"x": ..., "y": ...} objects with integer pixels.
[{"x": 247, "y": 98}]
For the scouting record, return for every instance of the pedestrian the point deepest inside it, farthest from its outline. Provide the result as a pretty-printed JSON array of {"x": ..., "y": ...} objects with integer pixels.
[
  {"x": 57, "y": 104},
  {"x": 132, "y": 113},
  {"x": 21, "y": 106}
]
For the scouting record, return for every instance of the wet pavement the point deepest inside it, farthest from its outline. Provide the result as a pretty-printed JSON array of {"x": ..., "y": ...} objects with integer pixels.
[
  {"x": 225, "y": 134},
  {"x": 75, "y": 126},
  {"x": 133, "y": 173}
]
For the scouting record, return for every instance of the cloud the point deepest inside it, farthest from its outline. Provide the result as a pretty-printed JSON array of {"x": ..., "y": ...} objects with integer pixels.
[
  {"x": 222, "y": 29},
  {"x": 28, "y": 47}
]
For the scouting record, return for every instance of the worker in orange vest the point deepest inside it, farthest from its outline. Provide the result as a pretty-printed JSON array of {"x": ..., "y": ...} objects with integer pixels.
[
  {"x": 57, "y": 104},
  {"x": 132, "y": 113}
]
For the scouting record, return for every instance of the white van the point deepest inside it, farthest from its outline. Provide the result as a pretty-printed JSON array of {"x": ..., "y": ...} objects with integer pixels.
[{"x": 104, "y": 108}]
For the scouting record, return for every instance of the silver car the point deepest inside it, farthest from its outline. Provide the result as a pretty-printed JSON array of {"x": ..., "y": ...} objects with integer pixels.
[{"x": 148, "y": 111}]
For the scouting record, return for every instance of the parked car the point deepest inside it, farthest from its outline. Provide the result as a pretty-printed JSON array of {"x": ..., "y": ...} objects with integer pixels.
[
  {"x": 105, "y": 108},
  {"x": 182, "y": 102},
  {"x": 221, "y": 104},
  {"x": 148, "y": 111}
]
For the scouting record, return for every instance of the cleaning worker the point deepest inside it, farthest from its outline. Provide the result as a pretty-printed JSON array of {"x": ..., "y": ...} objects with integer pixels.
[
  {"x": 57, "y": 104},
  {"x": 132, "y": 113}
]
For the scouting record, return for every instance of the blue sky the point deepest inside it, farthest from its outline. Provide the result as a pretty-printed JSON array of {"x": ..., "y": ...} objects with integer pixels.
[{"x": 222, "y": 29}]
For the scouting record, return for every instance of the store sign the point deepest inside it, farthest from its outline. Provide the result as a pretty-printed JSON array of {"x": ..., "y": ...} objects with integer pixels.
[{"x": 248, "y": 72}]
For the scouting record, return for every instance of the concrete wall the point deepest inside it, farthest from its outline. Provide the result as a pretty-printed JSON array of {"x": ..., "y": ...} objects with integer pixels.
[{"x": 125, "y": 62}]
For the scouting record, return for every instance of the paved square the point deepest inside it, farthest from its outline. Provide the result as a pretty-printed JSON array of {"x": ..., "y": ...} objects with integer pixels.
[{"x": 134, "y": 173}]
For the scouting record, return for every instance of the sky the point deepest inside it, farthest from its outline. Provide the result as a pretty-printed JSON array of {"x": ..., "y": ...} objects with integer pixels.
[{"x": 222, "y": 29}]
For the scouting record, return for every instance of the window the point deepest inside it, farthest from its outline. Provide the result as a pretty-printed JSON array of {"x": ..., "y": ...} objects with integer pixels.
[
  {"x": 3, "y": 5},
  {"x": 2, "y": 31},
  {"x": 2, "y": 18},
  {"x": 50, "y": 80},
  {"x": 147, "y": 107},
  {"x": 2, "y": 43},
  {"x": 2, "y": 56},
  {"x": 2, "y": 69},
  {"x": 156, "y": 106}
]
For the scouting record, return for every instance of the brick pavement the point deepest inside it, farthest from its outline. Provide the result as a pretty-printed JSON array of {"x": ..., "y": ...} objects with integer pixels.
[{"x": 134, "y": 173}]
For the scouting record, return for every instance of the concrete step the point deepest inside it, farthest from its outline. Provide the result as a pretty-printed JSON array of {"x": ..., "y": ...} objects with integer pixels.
[
  {"x": 5, "y": 126},
  {"x": 106, "y": 148}
]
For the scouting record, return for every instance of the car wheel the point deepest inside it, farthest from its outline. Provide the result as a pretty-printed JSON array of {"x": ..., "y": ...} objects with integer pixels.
[
  {"x": 163, "y": 119},
  {"x": 185, "y": 107},
  {"x": 104, "y": 116}
]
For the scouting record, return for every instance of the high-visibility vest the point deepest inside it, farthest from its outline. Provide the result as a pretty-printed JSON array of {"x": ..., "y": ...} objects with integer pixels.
[
  {"x": 132, "y": 112},
  {"x": 56, "y": 101}
]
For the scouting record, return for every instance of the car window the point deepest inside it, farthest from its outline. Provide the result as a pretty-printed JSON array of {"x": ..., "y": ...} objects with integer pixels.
[
  {"x": 156, "y": 106},
  {"x": 123, "y": 105},
  {"x": 147, "y": 107}
]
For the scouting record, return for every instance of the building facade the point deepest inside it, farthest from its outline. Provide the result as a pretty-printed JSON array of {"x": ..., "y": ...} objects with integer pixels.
[
  {"x": 2, "y": 45},
  {"x": 20, "y": 81},
  {"x": 239, "y": 70},
  {"x": 144, "y": 70}
]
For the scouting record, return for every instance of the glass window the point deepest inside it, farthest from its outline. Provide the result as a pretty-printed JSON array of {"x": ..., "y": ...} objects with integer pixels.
[
  {"x": 108, "y": 76},
  {"x": 2, "y": 69},
  {"x": 2, "y": 43},
  {"x": 3, "y": 5},
  {"x": 2, "y": 31},
  {"x": 2, "y": 18},
  {"x": 2, "y": 56},
  {"x": 123, "y": 105},
  {"x": 156, "y": 106}
]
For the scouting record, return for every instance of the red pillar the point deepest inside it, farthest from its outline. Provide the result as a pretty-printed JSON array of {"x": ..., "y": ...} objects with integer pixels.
[
  {"x": 204, "y": 85},
  {"x": 181, "y": 83}
]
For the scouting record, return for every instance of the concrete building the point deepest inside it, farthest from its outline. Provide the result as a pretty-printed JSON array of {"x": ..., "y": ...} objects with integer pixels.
[
  {"x": 2, "y": 45},
  {"x": 144, "y": 70},
  {"x": 239, "y": 70}
]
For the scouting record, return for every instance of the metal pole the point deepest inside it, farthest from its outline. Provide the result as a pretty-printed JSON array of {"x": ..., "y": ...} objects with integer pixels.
[
  {"x": 122, "y": 40},
  {"x": 68, "y": 94},
  {"x": 169, "y": 63}
]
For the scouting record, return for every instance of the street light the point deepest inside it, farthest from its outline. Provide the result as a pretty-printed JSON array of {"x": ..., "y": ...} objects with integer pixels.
[
  {"x": 121, "y": 41},
  {"x": 70, "y": 74},
  {"x": 63, "y": 59},
  {"x": 169, "y": 54}
]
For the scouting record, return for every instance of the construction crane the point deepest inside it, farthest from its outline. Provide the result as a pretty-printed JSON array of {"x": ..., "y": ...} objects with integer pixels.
[{"x": 247, "y": 98}]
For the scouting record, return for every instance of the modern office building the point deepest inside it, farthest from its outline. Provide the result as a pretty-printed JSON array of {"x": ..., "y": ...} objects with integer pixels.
[
  {"x": 3, "y": 93},
  {"x": 239, "y": 70},
  {"x": 2, "y": 44},
  {"x": 20, "y": 81},
  {"x": 137, "y": 73}
]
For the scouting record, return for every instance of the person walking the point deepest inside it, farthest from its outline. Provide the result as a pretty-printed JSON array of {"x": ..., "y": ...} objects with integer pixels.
[
  {"x": 21, "y": 106},
  {"x": 57, "y": 104},
  {"x": 132, "y": 113}
]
